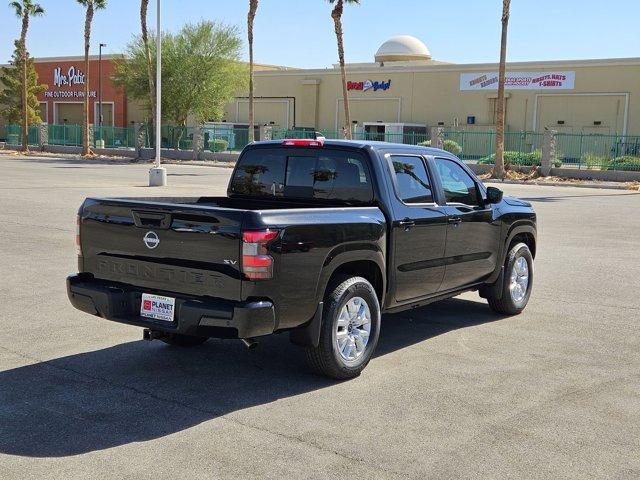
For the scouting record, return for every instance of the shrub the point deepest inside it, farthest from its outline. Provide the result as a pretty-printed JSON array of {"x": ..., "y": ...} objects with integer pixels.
[
  {"x": 530, "y": 159},
  {"x": 626, "y": 162},
  {"x": 450, "y": 146},
  {"x": 594, "y": 161},
  {"x": 218, "y": 145}
]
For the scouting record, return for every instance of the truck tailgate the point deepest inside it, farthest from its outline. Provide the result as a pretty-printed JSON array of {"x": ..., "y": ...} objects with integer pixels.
[{"x": 183, "y": 248}]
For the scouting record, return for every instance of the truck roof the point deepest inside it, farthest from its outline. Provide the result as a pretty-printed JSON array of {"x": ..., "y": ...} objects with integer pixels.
[{"x": 376, "y": 145}]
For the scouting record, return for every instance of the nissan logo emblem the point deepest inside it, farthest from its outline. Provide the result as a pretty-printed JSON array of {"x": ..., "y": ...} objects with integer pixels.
[{"x": 151, "y": 240}]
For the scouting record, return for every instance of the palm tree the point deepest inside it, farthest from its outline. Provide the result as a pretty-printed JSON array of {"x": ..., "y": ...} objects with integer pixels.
[
  {"x": 336, "y": 14},
  {"x": 25, "y": 9},
  {"x": 144, "y": 4},
  {"x": 498, "y": 168},
  {"x": 253, "y": 7},
  {"x": 91, "y": 6}
]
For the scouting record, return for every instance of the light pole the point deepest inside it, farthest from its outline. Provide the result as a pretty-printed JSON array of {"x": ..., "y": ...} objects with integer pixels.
[
  {"x": 158, "y": 174},
  {"x": 101, "y": 145}
]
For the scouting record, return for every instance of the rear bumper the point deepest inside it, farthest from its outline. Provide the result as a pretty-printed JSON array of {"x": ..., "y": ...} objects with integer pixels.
[{"x": 193, "y": 316}]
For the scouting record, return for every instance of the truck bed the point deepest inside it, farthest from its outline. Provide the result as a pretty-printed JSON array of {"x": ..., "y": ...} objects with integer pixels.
[{"x": 199, "y": 249}]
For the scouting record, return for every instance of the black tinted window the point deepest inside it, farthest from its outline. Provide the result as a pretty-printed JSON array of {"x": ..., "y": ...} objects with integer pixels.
[
  {"x": 457, "y": 184},
  {"x": 322, "y": 174},
  {"x": 412, "y": 180},
  {"x": 259, "y": 173}
]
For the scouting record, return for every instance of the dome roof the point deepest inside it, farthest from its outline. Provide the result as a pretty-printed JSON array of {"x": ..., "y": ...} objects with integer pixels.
[{"x": 402, "y": 48}]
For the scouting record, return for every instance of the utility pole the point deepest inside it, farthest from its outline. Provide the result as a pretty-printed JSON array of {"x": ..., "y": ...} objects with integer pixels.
[
  {"x": 158, "y": 174},
  {"x": 101, "y": 141}
]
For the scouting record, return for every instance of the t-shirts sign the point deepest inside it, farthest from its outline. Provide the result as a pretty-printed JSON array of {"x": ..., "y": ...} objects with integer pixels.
[{"x": 519, "y": 81}]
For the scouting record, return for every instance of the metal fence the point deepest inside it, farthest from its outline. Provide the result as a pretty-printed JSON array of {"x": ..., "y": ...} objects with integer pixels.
[
  {"x": 71, "y": 135},
  {"x": 14, "y": 135},
  {"x": 215, "y": 138},
  {"x": 408, "y": 138},
  {"x": 574, "y": 150},
  {"x": 115, "y": 137},
  {"x": 68, "y": 135},
  {"x": 221, "y": 138}
]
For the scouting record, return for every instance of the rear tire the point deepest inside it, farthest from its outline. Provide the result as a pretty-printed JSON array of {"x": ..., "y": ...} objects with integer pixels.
[
  {"x": 517, "y": 282},
  {"x": 184, "y": 341},
  {"x": 349, "y": 332}
]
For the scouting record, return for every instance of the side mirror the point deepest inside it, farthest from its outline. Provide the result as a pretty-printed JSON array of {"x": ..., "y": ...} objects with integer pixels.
[{"x": 494, "y": 195}]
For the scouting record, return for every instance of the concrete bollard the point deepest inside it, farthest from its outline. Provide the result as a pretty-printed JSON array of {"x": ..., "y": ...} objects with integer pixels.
[
  {"x": 43, "y": 135},
  {"x": 265, "y": 132},
  {"x": 139, "y": 137},
  {"x": 437, "y": 137},
  {"x": 548, "y": 151},
  {"x": 198, "y": 142}
]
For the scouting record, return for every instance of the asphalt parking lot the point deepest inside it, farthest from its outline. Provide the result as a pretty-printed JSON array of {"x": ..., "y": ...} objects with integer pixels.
[{"x": 454, "y": 391}]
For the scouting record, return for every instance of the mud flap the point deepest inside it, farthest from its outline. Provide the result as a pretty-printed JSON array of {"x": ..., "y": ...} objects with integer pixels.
[
  {"x": 493, "y": 289},
  {"x": 308, "y": 335}
]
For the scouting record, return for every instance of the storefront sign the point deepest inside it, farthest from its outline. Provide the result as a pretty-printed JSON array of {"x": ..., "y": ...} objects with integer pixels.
[
  {"x": 72, "y": 77},
  {"x": 519, "y": 81},
  {"x": 369, "y": 85},
  {"x": 65, "y": 81}
]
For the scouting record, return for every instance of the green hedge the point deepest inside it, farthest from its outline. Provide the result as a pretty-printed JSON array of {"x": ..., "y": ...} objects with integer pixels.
[
  {"x": 626, "y": 162},
  {"x": 218, "y": 145},
  {"x": 450, "y": 146},
  {"x": 530, "y": 159}
]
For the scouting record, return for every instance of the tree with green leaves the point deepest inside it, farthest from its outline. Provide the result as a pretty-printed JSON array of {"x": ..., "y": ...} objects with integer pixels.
[
  {"x": 12, "y": 103},
  {"x": 498, "y": 168},
  {"x": 336, "y": 14},
  {"x": 253, "y": 8},
  {"x": 201, "y": 72},
  {"x": 25, "y": 9},
  {"x": 90, "y": 7}
]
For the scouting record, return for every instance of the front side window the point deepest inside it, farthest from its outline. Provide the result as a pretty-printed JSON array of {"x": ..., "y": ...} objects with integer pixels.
[
  {"x": 457, "y": 184},
  {"x": 412, "y": 181}
]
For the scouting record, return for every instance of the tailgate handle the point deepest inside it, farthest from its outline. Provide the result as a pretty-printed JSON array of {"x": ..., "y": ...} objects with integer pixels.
[{"x": 151, "y": 219}]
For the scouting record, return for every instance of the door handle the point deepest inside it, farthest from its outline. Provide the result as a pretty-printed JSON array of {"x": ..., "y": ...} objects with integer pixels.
[
  {"x": 454, "y": 220},
  {"x": 151, "y": 219},
  {"x": 406, "y": 223}
]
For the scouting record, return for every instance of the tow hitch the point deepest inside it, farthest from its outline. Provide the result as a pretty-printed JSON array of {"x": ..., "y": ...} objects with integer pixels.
[{"x": 148, "y": 334}]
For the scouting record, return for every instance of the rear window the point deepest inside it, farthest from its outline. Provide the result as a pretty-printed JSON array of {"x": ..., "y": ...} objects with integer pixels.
[{"x": 319, "y": 174}]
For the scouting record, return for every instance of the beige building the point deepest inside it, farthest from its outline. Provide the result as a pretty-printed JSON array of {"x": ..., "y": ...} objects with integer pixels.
[
  {"x": 405, "y": 86},
  {"x": 403, "y": 90}
]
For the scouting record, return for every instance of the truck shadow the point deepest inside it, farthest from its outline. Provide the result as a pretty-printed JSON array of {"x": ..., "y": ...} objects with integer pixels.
[{"x": 139, "y": 391}]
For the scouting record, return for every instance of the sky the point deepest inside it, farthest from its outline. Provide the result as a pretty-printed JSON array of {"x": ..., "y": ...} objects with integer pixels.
[{"x": 299, "y": 33}]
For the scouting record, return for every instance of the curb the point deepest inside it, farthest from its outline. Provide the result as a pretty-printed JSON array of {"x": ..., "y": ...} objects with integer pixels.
[{"x": 605, "y": 186}]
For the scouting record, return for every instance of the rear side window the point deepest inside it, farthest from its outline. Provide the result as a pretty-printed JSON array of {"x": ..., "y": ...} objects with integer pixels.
[
  {"x": 318, "y": 174},
  {"x": 412, "y": 181},
  {"x": 259, "y": 173}
]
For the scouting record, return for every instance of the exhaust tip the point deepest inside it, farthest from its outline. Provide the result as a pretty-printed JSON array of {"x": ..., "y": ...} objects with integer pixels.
[{"x": 250, "y": 343}]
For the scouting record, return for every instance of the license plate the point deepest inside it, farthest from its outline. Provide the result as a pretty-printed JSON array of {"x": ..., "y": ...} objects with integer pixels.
[{"x": 157, "y": 307}]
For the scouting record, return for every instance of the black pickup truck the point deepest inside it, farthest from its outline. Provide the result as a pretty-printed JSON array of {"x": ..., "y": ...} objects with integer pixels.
[{"x": 316, "y": 238}]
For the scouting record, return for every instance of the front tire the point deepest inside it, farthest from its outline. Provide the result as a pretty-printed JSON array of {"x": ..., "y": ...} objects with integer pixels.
[
  {"x": 517, "y": 282},
  {"x": 349, "y": 332}
]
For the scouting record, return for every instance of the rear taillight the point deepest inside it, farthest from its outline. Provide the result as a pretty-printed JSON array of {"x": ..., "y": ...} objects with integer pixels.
[
  {"x": 257, "y": 264},
  {"x": 78, "y": 247},
  {"x": 303, "y": 142}
]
